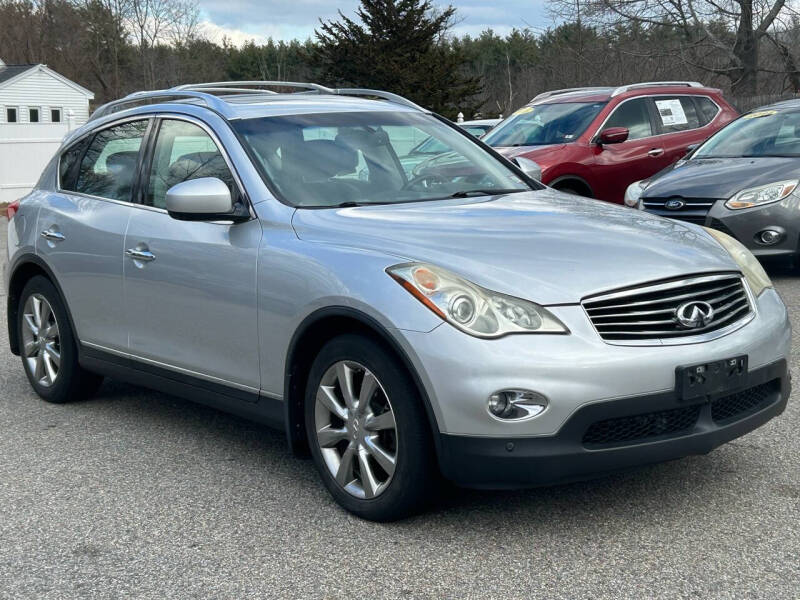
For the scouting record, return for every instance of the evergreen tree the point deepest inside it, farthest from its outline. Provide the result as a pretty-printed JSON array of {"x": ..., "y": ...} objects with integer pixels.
[{"x": 398, "y": 46}]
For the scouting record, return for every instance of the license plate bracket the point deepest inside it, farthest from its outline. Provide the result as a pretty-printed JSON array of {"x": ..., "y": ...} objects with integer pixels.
[{"x": 706, "y": 379}]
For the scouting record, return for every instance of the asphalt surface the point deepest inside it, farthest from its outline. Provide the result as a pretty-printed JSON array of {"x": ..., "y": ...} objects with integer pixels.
[{"x": 136, "y": 494}]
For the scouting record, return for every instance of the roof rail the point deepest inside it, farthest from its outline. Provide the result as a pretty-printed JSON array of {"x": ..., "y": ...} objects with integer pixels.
[
  {"x": 624, "y": 88},
  {"x": 207, "y": 94},
  {"x": 544, "y": 95},
  {"x": 209, "y": 100}
]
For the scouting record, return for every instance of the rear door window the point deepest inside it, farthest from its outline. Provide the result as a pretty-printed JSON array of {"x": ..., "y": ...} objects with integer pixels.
[
  {"x": 634, "y": 115},
  {"x": 676, "y": 113},
  {"x": 108, "y": 168}
]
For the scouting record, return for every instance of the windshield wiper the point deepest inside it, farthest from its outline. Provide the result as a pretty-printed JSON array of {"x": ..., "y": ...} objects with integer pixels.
[{"x": 486, "y": 192}]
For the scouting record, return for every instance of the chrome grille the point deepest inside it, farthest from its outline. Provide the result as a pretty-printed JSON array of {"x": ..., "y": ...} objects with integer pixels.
[
  {"x": 694, "y": 210},
  {"x": 649, "y": 312}
]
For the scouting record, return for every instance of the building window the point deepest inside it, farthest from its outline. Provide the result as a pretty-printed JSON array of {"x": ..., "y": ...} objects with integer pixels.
[
  {"x": 11, "y": 115},
  {"x": 55, "y": 115},
  {"x": 33, "y": 115}
]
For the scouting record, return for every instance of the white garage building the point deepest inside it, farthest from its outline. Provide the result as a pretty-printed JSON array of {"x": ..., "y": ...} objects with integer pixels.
[{"x": 37, "y": 109}]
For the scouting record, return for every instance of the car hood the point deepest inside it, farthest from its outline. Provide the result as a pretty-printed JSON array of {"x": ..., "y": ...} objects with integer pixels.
[
  {"x": 537, "y": 153},
  {"x": 545, "y": 246},
  {"x": 720, "y": 177}
]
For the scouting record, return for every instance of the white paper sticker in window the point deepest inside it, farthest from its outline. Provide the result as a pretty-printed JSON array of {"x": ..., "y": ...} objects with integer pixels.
[{"x": 671, "y": 112}]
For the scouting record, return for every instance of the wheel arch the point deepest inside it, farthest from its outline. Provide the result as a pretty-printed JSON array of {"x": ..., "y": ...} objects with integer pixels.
[
  {"x": 576, "y": 180},
  {"x": 25, "y": 268},
  {"x": 316, "y": 330}
]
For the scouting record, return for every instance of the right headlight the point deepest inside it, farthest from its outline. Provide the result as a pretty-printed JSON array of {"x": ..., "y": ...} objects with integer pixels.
[
  {"x": 471, "y": 308},
  {"x": 634, "y": 193},
  {"x": 753, "y": 272}
]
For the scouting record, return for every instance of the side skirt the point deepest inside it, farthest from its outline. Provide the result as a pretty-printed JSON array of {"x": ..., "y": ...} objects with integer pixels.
[{"x": 248, "y": 405}]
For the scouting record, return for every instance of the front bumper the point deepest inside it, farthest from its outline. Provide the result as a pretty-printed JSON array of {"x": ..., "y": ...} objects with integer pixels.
[{"x": 577, "y": 453}]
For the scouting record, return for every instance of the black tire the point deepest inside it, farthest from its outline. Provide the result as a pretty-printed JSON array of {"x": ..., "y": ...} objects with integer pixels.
[
  {"x": 72, "y": 382},
  {"x": 414, "y": 481},
  {"x": 569, "y": 189}
]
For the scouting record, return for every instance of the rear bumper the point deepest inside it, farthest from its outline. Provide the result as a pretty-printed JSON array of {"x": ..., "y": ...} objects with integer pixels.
[{"x": 567, "y": 456}]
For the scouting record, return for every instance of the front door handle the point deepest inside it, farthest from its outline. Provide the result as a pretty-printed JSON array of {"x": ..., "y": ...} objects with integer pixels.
[
  {"x": 141, "y": 255},
  {"x": 656, "y": 152},
  {"x": 53, "y": 236}
]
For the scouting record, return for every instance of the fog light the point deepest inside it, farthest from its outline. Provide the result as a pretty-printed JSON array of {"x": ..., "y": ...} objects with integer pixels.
[
  {"x": 769, "y": 237},
  {"x": 516, "y": 405}
]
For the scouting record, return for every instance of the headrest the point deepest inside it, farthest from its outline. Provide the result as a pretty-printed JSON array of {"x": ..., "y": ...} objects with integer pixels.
[
  {"x": 326, "y": 158},
  {"x": 122, "y": 161}
]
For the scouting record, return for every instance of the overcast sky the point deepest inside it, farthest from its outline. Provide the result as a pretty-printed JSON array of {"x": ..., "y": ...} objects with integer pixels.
[{"x": 242, "y": 20}]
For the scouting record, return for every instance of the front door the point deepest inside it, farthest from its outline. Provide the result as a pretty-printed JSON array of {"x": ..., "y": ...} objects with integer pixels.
[{"x": 190, "y": 287}]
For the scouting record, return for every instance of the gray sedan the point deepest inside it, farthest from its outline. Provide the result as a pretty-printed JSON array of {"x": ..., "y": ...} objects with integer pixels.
[{"x": 742, "y": 181}]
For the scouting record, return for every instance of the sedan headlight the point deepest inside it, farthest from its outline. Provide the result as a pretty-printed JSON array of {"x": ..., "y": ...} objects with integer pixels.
[
  {"x": 753, "y": 272},
  {"x": 471, "y": 308},
  {"x": 763, "y": 194},
  {"x": 634, "y": 192}
]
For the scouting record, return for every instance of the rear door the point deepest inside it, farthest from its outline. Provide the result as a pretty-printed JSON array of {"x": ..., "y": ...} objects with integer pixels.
[
  {"x": 619, "y": 165},
  {"x": 678, "y": 121},
  {"x": 192, "y": 305},
  {"x": 82, "y": 229}
]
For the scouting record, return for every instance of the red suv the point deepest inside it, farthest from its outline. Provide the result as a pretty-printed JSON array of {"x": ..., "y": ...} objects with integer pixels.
[{"x": 596, "y": 141}]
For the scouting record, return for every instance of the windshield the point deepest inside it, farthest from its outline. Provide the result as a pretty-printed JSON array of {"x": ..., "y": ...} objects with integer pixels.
[
  {"x": 761, "y": 133},
  {"x": 558, "y": 123},
  {"x": 354, "y": 158}
]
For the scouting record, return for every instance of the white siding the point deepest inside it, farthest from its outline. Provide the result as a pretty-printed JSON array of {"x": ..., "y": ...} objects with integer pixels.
[{"x": 25, "y": 148}]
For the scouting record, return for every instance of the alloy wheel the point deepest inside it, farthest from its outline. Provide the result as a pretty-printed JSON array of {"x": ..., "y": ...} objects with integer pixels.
[
  {"x": 356, "y": 429},
  {"x": 41, "y": 342}
]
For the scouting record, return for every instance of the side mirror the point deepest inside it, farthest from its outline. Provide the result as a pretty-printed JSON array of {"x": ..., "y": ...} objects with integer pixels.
[
  {"x": 613, "y": 135},
  {"x": 203, "y": 199},
  {"x": 529, "y": 167}
]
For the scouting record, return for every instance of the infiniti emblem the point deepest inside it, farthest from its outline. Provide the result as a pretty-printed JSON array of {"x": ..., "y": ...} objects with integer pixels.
[
  {"x": 674, "y": 204},
  {"x": 694, "y": 314}
]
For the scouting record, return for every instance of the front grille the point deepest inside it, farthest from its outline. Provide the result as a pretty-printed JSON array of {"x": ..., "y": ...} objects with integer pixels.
[
  {"x": 745, "y": 402},
  {"x": 649, "y": 312},
  {"x": 694, "y": 210},
  {"x": 641, "y": 427}
]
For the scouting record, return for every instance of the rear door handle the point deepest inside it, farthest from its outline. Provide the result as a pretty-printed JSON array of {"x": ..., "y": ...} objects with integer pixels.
[
  {"x": 656, "y": 152},
  {"x": 53, "y": 236},
  {"x": 142, "y": 255}
]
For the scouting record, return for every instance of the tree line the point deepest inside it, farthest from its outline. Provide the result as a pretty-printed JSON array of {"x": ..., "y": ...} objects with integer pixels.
[{"x": 113, "y": 47}]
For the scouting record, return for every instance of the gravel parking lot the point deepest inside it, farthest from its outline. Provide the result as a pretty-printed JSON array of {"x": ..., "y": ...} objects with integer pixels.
[{"x": 139, "y": 494}]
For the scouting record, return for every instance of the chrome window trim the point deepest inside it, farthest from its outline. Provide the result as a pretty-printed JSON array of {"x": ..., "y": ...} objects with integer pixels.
[
  {"x": 677, "y": 341},
  {"x": 650, "y": 137},
  {"x": 162, "y": 115}
]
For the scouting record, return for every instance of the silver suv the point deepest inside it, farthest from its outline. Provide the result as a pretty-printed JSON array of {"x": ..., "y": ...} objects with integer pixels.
[{"x": 269, "y": 254}]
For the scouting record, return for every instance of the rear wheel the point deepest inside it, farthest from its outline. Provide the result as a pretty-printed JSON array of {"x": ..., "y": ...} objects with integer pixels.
[
  {"x": 368, "y": 431},
  {"x": 48, "y": 349}
]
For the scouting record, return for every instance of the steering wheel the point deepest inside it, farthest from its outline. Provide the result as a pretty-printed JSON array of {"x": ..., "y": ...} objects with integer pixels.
[{"x": 425, "y": 181}]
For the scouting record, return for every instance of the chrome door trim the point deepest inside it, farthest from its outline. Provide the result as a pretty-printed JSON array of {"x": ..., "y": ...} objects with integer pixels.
[{"x": 169, "y": 367}]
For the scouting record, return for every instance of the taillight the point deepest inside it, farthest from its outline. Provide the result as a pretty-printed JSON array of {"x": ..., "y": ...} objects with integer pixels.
[{"x": 12, "y": 209}]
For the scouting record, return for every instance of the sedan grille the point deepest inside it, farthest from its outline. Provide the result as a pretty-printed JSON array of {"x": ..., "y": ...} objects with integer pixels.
[
  {"x": 650, "y": 312},
  {"x": 693, "y": 210}
]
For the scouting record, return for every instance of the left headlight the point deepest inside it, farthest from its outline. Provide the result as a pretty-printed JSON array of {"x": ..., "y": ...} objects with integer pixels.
[
  {"x": 763, "y": 194},
  {"x": 470, "y": 307},
  {"x": 634, "y": 193},
  {"x": 753, "y": 272}
]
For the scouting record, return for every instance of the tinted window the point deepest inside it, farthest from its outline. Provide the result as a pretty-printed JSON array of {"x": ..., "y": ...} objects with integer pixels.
[
  {"x": 366, "y": 157},
  {"x": 11, "y": 115},
  {"x": 67, "y": 166},
  {"x": 108, "y": 168},
  {"x": 542, "y": 124},
  {"x": 706, "y": 109},
  {"x": 184, "y": 151},
  {"x": 33, "y": 115},
  {"x": 634, "y": 116},
  {"x": 55, "y": 115},
  {"x": 676, "y": 113}
]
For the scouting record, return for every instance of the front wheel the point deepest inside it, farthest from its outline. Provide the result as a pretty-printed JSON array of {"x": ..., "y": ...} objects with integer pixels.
[
  {"x": 368, "y": 431},
  {"x": 48, "y": 347}
]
